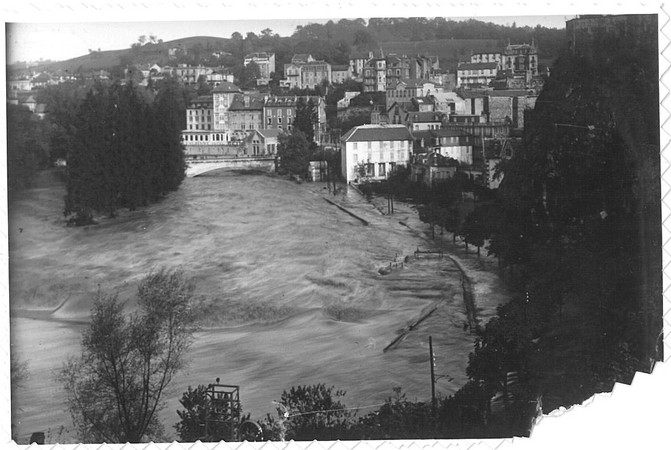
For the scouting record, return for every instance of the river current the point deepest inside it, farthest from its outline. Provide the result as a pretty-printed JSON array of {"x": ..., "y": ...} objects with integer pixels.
[{"x": 291, "y": 283}]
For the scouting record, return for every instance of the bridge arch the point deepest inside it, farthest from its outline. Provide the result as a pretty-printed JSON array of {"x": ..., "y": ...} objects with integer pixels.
[{"x": 199, "y": 167}]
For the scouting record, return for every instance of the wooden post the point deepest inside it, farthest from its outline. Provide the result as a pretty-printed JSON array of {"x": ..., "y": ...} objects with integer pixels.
[{"x": 433, "y": 377}]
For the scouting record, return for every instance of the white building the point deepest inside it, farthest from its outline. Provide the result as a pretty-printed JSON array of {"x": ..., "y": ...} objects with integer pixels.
[
  {"x": 375, "y": 150},
  {"x": 476, "y": 74}
]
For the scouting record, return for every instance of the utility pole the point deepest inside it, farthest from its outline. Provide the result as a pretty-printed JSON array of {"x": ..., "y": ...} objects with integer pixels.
[{"x": 432, "y": 360}]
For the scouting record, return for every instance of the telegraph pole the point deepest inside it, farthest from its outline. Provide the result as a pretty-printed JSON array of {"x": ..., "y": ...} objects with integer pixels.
[{"x": 432, "y": 360}]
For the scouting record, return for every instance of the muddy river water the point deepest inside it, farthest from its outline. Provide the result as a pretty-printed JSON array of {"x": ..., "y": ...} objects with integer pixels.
[{"x": 292, "y": 282}]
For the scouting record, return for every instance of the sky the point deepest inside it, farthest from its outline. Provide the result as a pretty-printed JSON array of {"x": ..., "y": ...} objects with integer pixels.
[{"x": 59, "y": 41}]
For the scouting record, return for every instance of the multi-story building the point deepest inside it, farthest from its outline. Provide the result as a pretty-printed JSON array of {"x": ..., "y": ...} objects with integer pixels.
[
  {"x": 314, "y": 73},
  {"x": 304, "y": 72},
  {"x": 397, "y": 69},
  {"x": 455, "y": 144},
  {"x": 266, "y": 63},
  {"x": 200, "y": 130},
  {"x": 339, "y": 74},
  {"x": 280, "y": 112},
  {"x": 199, "y": 114},
  {"x": 419, "y": 121},
  {"x": 476, "y": 74},
  {"x": 245, "y": 115},
  {"x": 375, "y": 150},
  {"x": 191, "y": 74},
  {"x": 520, "y": 58},
  {"x": 404, "y": 91},
  {"x": 375, "y": 75},
  {"x": 357, "y": 61},
  {"x": 222, "y": 98}
]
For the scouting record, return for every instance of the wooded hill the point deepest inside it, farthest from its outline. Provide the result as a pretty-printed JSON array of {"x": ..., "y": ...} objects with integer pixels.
[{"x": 450, "y": 40}]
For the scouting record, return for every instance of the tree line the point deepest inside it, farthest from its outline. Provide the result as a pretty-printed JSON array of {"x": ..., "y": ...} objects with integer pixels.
[
  {"x": 575, "y": 227},
  {"x": 124, "y": 149}
]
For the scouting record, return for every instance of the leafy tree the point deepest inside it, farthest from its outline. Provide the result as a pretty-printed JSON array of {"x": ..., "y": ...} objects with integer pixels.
[
  {"x": 399, "y": 418},
  {"x": 114, "y": 389},
  {"x": 314, "y": 412},
  {"x": 306, "y": 118},
  {"x": 126, "y": 150},
  {"x": 197, "y": 407},
  {"x": 475, "y": 229},
  {"x": 295, "y": 153},
  {"x": 27, "y": 147}
]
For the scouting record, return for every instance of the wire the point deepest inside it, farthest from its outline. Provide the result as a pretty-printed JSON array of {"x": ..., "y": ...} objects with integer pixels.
[{"x": 334, "y": 410}]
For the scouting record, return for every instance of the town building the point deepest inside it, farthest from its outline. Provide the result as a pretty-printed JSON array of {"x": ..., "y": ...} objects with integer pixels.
[
  {"x": 266, "y": 63},
  {"x": 455, "y": 144},
  {"x": 420, "y": 121},
  {"x": 305, "y": 72},
  {"x": 245, "y": 115},
  {"x": 357, "y": 61},
  {"x": 190, "y": 74},
  {"x": 374, "y": 151},
  {"x": 397, "y": 69},
  {"x": 339, "y": 74},
  {"x": 222, "y": 98},
  {"x": 476, "y": 74},
  {"x": 262, "y": 142},
  {"x": 431, "y": 168},
  {"x": 279, "y": 113},
  {"x": 403, "y": 91},
  {"x": 510, "y": 105},
  {"x": 520, "y": 58},
  {"x": 375, "y": 75}
]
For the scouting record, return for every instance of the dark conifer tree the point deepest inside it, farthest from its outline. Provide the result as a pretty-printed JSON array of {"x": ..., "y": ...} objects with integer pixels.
[{"x": 306, "y": 117}]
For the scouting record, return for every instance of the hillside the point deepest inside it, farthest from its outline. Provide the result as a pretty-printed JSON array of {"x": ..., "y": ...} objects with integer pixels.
[
  {"x": 449, "y": 40},
  {"x": 149, "y": 53}
]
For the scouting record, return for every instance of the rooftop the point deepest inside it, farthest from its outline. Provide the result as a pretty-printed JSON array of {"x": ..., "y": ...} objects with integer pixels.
[
  {"x": 377, "y": 133},
  {"x": 477, "y": 66},
  {"x": 226, "y": 86}
]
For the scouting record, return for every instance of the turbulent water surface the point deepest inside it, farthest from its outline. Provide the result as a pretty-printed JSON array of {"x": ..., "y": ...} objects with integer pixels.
[{"x": 291, "y": 283}]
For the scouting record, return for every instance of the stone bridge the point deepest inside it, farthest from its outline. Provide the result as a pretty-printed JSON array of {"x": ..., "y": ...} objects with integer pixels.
[{"x": 198, "y": 167}]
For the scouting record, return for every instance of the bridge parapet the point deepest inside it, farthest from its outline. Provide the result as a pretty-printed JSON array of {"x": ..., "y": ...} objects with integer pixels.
[{"x": 199, "y": 167}]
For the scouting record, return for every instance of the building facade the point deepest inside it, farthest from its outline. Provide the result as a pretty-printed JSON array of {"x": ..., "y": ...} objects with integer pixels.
[
  {"x": 476, "y": 74},
  {"x": 245, "y": 115},
  {"x": 279, "y": 113},
  {"x": 374, "y": 151},
  {"x": 520, "y": 58},
  {"x": 222, "y": 98},
  {"x": 266, "y": 63}
]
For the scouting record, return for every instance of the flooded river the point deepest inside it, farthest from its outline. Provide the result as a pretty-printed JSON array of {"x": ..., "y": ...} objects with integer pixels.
[{"x": 291, "y": 282}]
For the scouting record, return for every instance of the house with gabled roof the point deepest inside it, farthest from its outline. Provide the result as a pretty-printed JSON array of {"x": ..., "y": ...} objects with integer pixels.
[
  {"x": 431, "y": 168},
  {"x": 374, "y": 151},
  {"x": 262, "y": 142}
]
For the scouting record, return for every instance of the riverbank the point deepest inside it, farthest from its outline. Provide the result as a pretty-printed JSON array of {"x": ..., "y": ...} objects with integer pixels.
[{"x": 292, "y": 284}]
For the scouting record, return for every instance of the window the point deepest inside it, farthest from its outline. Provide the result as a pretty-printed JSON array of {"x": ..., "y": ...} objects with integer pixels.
[
  {"x": 381, "y": 170},
  {"x": 270, "y": 120},
  {"x": 279, "y": 120},
  {"x": 354, "y": 146},
  {"x": 370, "y": 170}
]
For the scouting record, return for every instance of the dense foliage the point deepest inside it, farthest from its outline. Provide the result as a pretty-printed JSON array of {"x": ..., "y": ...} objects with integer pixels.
[
  {"x": 125, "y": 151},
  {"x": 114, "y": 390},
  {"x": 28, "y": 147},
  {"x": 198, "y": 408}
]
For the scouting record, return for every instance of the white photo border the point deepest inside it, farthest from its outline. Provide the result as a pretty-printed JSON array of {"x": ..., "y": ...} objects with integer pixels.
[{"x": 632, "y": 416}]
